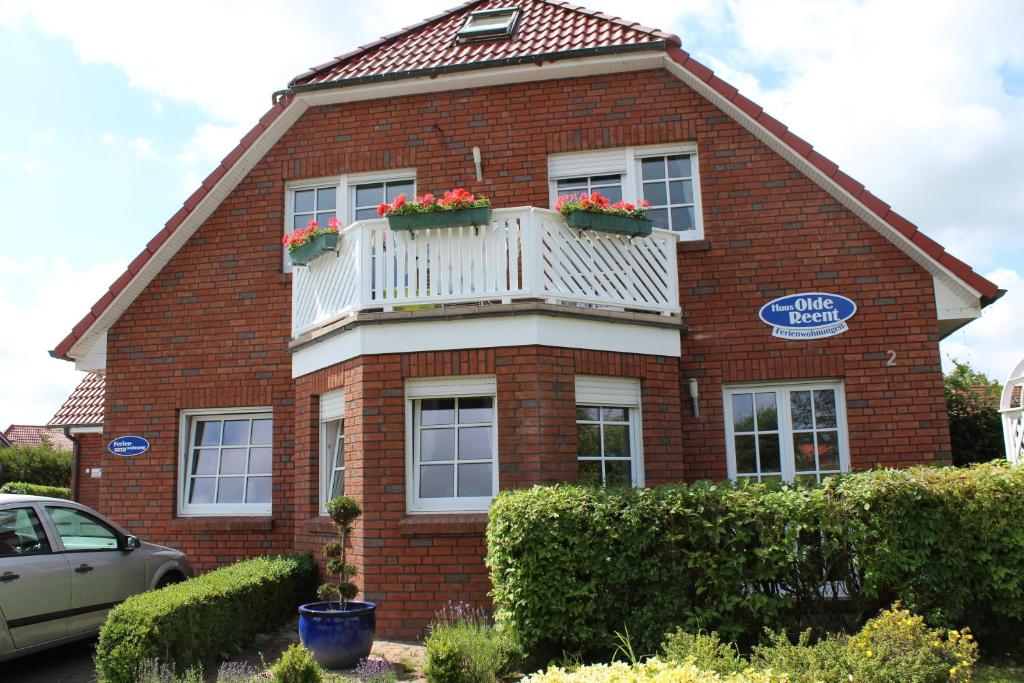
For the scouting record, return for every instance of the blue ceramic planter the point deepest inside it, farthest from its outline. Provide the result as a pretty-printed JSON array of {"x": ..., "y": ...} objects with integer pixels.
[{"x": 338, "y": 638}]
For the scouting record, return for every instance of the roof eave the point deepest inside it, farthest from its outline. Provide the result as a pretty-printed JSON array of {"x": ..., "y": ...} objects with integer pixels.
[{"x": 539, "y": 59}]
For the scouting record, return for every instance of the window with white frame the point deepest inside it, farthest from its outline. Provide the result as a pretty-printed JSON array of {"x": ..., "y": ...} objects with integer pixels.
[
  {"x": 226, "y": 462},
  {"x": 332, "y": 447},
  {"x": 452, "y": 444},
  {"x": 786, "y": 431},
  {"x": 367, "y": 196},
  {"x": 666, "y": 176},
  {"x": 608, "y": 431}
]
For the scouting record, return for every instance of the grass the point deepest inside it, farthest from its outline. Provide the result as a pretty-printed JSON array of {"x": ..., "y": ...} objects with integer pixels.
[{"x": 998, "y": 673}]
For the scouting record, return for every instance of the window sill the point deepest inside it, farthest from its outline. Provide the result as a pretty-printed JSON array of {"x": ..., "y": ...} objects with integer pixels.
[
  {"x": 321, "y": 524},
  {"x": 224, "y": 523},
  {"x": 461, "y": 524},
  {"x": 694, "y": 245}
]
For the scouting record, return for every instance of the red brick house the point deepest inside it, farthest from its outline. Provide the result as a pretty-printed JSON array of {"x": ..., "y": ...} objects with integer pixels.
[
  {"x": 80, "y": 417},
  {"x": 422, "y": 374}
]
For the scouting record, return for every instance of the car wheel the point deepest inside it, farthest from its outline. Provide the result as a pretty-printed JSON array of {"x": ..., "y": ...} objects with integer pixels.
[{"x": 168, "y": 579}]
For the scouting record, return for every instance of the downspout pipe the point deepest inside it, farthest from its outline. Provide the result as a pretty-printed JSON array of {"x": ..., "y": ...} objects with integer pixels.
[{"x": 76, "y": 449}]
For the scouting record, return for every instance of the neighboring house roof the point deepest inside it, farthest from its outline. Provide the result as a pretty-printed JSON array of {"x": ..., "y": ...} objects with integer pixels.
[
  {"x": 84, "y": 407},
  {"x": 4, "y": 443},
  {"x": 543, "y": 29},
  {"x": 37, "y": 435},
  {"x": 547, "y": 34}
]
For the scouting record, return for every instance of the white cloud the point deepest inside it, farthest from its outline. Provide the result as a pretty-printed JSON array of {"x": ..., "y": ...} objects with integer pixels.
[
  {"x": 45, "y": 137},
  {"x": 144, "y": 147},
  {"x": 40, "y": 300},
  {"x": 995, "y": 343},
  {"x": 140, "y": 145}
]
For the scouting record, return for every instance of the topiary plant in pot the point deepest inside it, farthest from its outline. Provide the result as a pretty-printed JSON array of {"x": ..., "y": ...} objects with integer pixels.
[{"x": 338, "y": 630}]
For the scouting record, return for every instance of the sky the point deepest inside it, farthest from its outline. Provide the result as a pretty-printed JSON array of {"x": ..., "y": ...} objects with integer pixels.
[{"x": 115, "y": 111}]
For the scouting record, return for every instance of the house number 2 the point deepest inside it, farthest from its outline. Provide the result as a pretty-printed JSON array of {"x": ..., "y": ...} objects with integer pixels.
[{"x": 890, "y": 358}]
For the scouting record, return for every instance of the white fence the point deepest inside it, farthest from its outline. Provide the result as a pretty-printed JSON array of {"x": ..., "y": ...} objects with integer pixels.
[
  {"x": 524, "y": 253},
  {"x": 1011, "y": 406}
]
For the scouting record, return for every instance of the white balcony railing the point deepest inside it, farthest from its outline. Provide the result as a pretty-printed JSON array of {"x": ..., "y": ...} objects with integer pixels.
[{"x": 524, "y": 253}]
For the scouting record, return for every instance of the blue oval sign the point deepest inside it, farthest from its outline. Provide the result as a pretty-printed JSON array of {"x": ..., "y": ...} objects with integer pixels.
[
  {"x": 810, "y": 315},
  {"x": 128, "y": 446}
]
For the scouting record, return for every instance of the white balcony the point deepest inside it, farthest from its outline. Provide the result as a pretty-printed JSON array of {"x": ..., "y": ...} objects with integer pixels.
[{"x": 524, "y": 253}]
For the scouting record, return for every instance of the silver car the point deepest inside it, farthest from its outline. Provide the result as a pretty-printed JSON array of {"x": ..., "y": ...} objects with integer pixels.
[{"x": 63, "y": 566}]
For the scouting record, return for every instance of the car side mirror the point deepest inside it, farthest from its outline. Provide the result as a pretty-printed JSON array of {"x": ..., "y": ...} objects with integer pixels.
[{"x": 131, "y": 543}]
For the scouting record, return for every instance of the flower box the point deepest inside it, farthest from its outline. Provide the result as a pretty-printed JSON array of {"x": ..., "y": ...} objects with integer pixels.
[
  {"x": 316, "y": 247},
  {"x": 604, "y": 222},
  {"x": 477, "y": 215}
]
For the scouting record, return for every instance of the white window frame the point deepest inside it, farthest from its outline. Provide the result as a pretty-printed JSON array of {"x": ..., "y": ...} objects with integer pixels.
[
  {"x": 332, "y": 410},
  {"x": 470, "y": 33},
  {"x": 785, "y": 422},
  {"x": 185, "y": 437},
  {"x": 345, "y": 203},
  {"x": 445, "y": 387},
  {"x": 626, "y": 161},
  {"x": 616, "y": 392}
]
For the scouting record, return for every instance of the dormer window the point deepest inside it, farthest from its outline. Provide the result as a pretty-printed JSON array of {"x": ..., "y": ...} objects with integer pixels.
[{"x": 489, "y": 24}]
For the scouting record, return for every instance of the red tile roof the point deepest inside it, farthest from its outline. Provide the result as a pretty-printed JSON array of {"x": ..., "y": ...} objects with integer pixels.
[
  {"x": 37, "y": 435},
  {"x": 548, "y": 30},
  {"x": 85, "y": 404},
  {"x": 544, "y": 27}
]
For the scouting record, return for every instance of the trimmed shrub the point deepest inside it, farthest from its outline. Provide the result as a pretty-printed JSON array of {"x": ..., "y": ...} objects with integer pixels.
[
  {"x": 36, "y": 490},
  {"x": 202, "y": 620},
  {"x": 297, "y": 665},
  {"x": 35, "y": 465},
  {"x": 571, "y": 565}
]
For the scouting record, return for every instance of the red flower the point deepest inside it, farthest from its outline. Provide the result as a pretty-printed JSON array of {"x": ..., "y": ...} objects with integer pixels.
[{"x": 382, "y": 209}]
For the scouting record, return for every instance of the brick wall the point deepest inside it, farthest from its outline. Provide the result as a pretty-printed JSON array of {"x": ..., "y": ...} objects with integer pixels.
[
  {"x": 413, "y": 565},
  {"x": 211, "y": 330},
  {"x": 85, "y": 487}
]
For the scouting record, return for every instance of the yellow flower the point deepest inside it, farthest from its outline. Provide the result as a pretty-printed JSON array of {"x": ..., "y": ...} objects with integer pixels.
[
  {"x": 869, "y": 654},
  {"x": 952, "y": 672},
  {"x": 968, "y": 636}
]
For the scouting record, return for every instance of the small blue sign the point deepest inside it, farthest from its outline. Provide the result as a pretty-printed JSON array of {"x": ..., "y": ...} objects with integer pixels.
[
  {"x": 127, "y": 446},
  {"x": 810, "y": 315}
]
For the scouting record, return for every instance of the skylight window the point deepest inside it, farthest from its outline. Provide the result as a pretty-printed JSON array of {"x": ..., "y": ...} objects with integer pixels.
[{"x": 489, "y": 24}]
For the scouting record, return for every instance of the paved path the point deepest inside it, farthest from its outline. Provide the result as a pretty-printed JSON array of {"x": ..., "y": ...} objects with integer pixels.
[{"x": 65, "y": 664}]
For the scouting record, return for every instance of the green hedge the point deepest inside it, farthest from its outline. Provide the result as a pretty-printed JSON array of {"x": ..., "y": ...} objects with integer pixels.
[
  {"x": 202, "y": 620},
  {"x": 572, "y": 565},
  {"x": 36, "y": 490},
  {"x": 35, "y": 465}
]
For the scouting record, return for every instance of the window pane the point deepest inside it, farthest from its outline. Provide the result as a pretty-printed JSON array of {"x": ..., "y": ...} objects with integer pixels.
[
  {"x": 660, "y": 218},
  {"x": 682, "y": 218},
  {"x": 803, "y": 451},
  {"x": 653, "y": 168},
  {"x": 300, "y": 221},
  {"x": 258, "y": 490},
  {"x": 208, "y": 433},
  {"x": 767, "y": 413},
  {"x": 616, "y": 441},
  {"x": 437, "y": 444},
  {"x": 205, "y": 461},
  {"x": 366, "y": 214},
  {"x": 681, "y": 191},
  {"x": 655, "y": 193},
  {"x": 614, "y": 414},
  {"x": 304, "y": 201},
  {"x": 588, "y": 440},
  {"x": 825, "y": 408},
  {"x": 612, "y": 192},
  {"x": 437, "y": 481},
  {"x": 21, "y": 532},
  {"x": 230, "y": 489},
  {"x": 828, "y": 450},
  {"x": 570, "y": 185},
  {"x": 800, "y": 409},
  {"x": 337, "y": 484},
  {"x": 746, "y": 454},
  {"x": 395, "y": 189},
  {"x": 587, "y": 413},
  {"x": 232, "y": 460},
  {"x": 679, "y": 166},
  {"x": 769, "y": 447},
  {"x": 81, "y": 531},
  {"x": 259, "y": 461},
  {"x": 617, "y": 473},
  {"x": 262, "y": 432},
  {"x": 590, "y": 472},
  {"x": 324, "y": 218},
  {"x": 743, "y": 412},
  {"x": 326, "y": 199},
  {"x": 475, "y": 480},
  {"x": 369, "y": 195},
  {"x": 475, "y": 443},
  {"x": 437, "y": 411},
  {"x": 475, "y": 409},
  {"x": 604, "y": 180},
  {"x": 202, "y": 490},
  {"x": 236, "y": 432}
]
